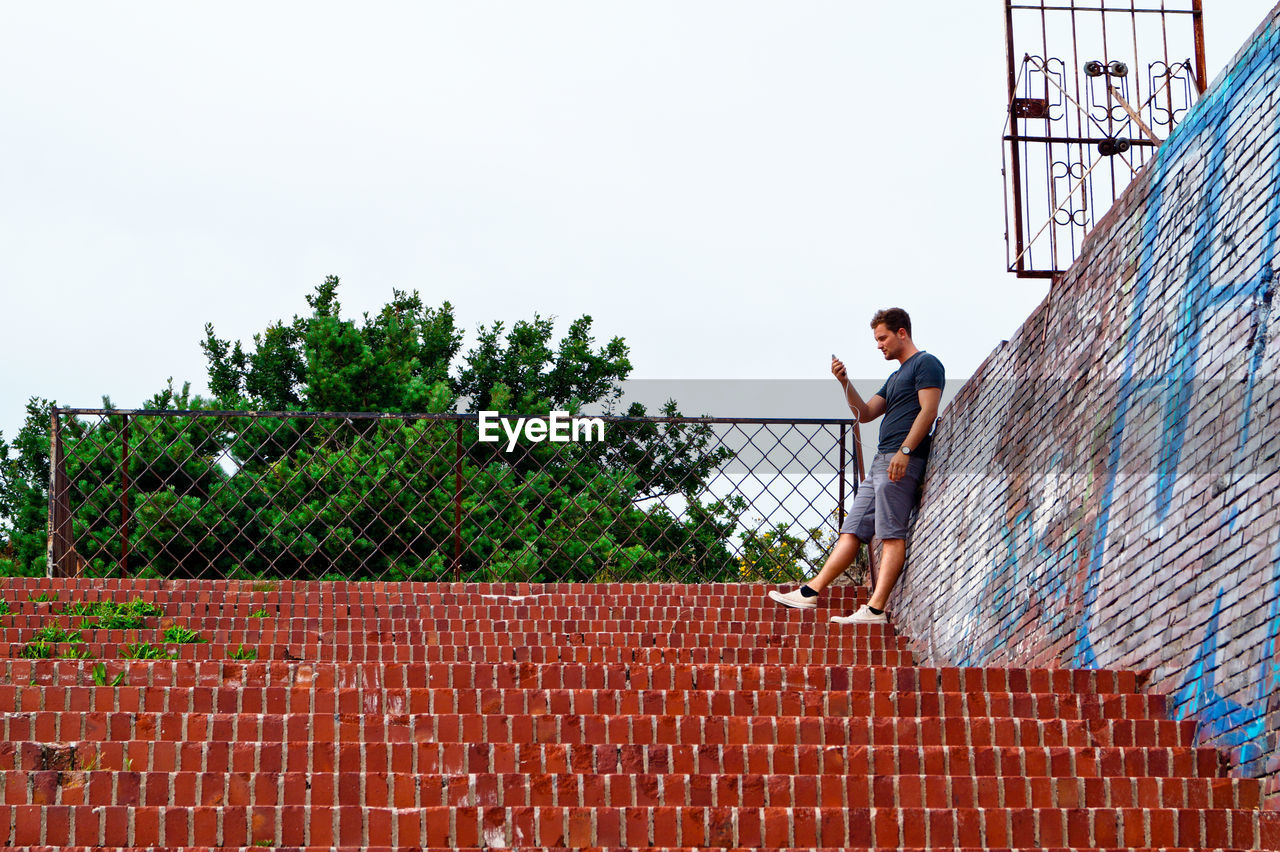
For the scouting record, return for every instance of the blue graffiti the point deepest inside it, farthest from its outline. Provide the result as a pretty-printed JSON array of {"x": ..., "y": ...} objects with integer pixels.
[
  {"x": 1220, "y": 719},
  {"x": 1199, "y": 300},
  {"x": 1269, "y": 682},
  {"x": 1261, "y": 316},
  {"x": 1045, "y": 582},
  {"x": 1234, "y": 98},
  {"x": 1233, "y": 515}
]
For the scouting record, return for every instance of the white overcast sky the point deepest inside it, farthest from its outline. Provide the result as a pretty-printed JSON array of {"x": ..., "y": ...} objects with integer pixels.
[{"x": 734, "y": 186}]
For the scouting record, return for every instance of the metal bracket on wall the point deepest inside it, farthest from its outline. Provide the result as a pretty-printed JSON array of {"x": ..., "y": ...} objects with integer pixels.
[{"x": 1091, "y": 90}]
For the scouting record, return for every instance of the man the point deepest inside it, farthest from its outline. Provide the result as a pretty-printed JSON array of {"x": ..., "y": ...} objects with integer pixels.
[{"x": 909, "y": 403}]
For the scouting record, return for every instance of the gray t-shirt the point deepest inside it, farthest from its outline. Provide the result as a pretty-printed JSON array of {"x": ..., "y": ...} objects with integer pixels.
[{"x": 901, "y": 395}]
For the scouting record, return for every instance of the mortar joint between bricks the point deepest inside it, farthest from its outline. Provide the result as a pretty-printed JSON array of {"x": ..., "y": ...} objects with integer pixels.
[{"x": 364, "y": 775}]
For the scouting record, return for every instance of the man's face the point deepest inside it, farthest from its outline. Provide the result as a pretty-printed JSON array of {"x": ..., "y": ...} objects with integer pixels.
[{"x": 887, "y": 342}]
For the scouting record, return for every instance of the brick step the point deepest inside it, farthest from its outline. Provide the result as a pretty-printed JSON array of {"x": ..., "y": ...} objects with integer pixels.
[
  {"x": 469, "y": 675},
  {"x": 611, "y": 759},
  {"x": 1081, "y": 828},
  {"x": 851, "y": 638},
  {"x": 754, "y": 610},
  {"x": 424, "y": 614},
  {"x": 483, "y": 631},
  {"x": 566, "y": 849},
  {"x": 53, "y": 726},
  {"x": 375, "y": 789},
  {"x": 519, "y": 701},
  {"x": 754, "y": 606},
  {"x": 427, "y": 653},
  {"x": 344, "y": 591}
]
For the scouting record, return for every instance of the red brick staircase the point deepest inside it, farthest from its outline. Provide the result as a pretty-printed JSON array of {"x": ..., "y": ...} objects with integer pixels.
[{"x": 494, "y": 716}]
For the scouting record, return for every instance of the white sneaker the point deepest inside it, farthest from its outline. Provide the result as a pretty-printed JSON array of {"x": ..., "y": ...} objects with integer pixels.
[
  {"x": 794, "y": 599},
  {"x": 864, "y": 615}
]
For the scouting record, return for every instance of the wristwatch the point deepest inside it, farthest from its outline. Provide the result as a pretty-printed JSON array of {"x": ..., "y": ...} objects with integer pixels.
[{"x": 906, "y": 451}]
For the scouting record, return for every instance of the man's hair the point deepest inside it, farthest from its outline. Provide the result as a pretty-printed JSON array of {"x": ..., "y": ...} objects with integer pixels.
[{"x": 892, "y": 319}]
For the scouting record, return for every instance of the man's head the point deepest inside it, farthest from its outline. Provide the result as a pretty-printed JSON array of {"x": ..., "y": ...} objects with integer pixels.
[{"x": 892, "y": 330}]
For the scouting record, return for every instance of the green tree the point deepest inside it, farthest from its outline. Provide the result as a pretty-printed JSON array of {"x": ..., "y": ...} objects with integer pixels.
[
  {"x": 389, "y": 362},
  {"x": 307, "y": 497},
  {"x": 24, "y": 494}
]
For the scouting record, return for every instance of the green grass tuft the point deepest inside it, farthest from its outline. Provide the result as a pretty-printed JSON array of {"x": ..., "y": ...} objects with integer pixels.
[
  {"x": 112, "y": 615},
  {"x": 53, "y": 633},
  {"x": 99, "y": 673},
  {"x": 37, "y": 651},
  {"x": 182, "y": 635},
  {"x": 145, "y": 651},
  {"x": 243, "y": 653}
]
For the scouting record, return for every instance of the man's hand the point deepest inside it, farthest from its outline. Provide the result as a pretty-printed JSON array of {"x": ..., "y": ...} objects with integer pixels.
[
  {"x": 898, "y": 466},
  {"x": 837, "y": 370}
]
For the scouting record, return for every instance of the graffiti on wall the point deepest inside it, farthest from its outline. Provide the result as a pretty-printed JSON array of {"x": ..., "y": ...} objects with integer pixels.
[
  {"x": 1220, "y": 720},
  {"x": 1202, "y": 248},
  {"x": 1236, "y": 99}
]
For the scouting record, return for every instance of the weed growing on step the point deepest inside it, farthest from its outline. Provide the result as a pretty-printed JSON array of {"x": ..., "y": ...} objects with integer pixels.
[
  {"x": 37, "y": 651},
  {"x": 145, "y": 651},
  {"x": 53, "y": 633},
  {"x": 99, "y": 673},
  {"x": 261, "y": 613},
  {"x": 76, "y": 654},
  {"x": 110, "y": 615},
  {"x": 182, "y": 635},
  {"x": 243, "y": 653},
  {"x": 140, "y": 607},
  {"x": 137, "y": 606},
  {"x": 43, "y": 597},
  {"x": 116, "y": 621},
  {"x": 266, "y": 586},
  {"x": 4, "y": 607}
]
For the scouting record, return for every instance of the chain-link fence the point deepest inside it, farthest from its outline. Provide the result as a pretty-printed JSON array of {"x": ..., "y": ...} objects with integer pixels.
[{"x": 303, "y": 495}]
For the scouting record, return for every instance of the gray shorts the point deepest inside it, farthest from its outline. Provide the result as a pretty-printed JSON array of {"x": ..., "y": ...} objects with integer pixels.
[{"x": 883, "y": 507}]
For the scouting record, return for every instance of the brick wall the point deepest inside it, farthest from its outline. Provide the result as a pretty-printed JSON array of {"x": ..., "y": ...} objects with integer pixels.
[{"x": 1103, "y": 490}]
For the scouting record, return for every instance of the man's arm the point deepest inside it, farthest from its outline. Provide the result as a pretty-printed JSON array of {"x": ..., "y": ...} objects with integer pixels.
[
  {"x": 865, "y": 411},
  {"x": 929, "y": 400}
]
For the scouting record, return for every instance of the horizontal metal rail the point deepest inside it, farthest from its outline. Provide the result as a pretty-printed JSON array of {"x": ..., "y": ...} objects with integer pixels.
[{"x": 470, "y": 416}]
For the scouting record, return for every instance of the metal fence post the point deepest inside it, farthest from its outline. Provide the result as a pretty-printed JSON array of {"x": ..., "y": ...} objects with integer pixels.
[
  {"x": 457, "y": 505},
  {"x": 862, "y": 474},
  {"x": 61, "y": 555},
  {"x": 124, "y": 495},
  {"x": 844, "y": 431},
  {"x": 54, "y": 552}
]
